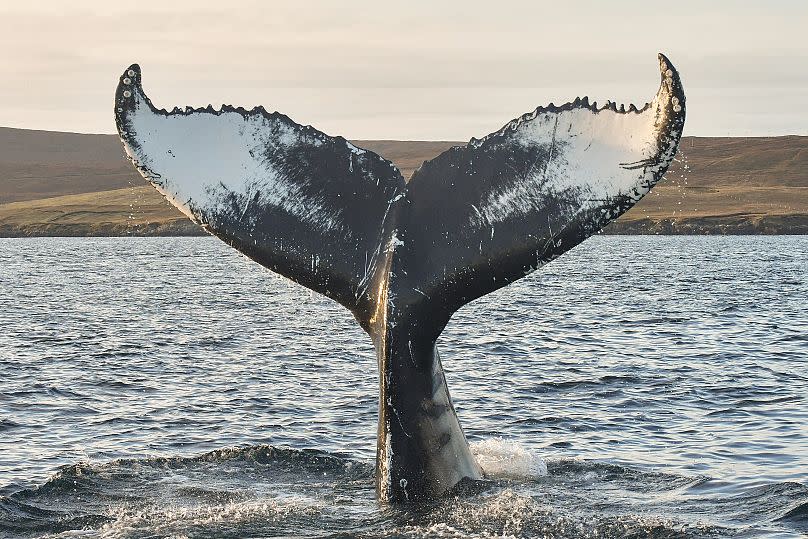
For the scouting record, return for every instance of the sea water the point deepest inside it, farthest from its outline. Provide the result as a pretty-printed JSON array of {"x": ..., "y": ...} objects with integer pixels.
[{"x": 169, "y": 387}]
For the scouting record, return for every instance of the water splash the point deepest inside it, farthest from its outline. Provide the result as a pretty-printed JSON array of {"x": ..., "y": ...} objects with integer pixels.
[{"x": 506, "y": 459}]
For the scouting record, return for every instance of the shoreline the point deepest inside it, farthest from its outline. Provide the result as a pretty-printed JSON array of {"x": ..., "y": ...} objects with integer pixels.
[{"x": 739, "y": 225}]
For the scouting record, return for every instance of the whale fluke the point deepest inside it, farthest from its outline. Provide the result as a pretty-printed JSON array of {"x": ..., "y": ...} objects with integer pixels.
[
  {"x": 488, "y": 213},
  {"x": 311, "y": 207},
  {"x": 404, "y": 257}
]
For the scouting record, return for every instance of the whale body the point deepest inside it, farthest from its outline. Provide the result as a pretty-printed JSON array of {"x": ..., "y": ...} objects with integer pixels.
[{"x": 404, "y": 256}]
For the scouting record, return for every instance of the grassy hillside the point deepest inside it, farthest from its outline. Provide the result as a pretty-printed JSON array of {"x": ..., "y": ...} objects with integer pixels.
[
  {"x": 129, "y": 211},
  {"x": 41, "y": 164},
  {"x": 73, "y": 184},
  {"x": 728, "y": 185}
]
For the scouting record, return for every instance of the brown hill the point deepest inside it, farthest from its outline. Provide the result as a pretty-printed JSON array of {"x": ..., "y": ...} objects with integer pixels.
[
  {"x": 747, "y": 161},
  {"x": 406, "y": 154},
  {"x": 727, "y": 185},
  {"x": 74, "y": 184},
  {"x": 41, "y": 164}
]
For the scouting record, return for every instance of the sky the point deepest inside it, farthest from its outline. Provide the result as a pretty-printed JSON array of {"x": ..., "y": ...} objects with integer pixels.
[{"x": 415, "y": 70}]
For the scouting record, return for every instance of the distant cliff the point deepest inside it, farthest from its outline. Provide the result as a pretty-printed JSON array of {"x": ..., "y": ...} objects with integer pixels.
[{"x": 69, "y": 184}]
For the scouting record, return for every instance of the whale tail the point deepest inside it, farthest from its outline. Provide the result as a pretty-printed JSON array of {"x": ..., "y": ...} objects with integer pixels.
[{"x": 403, "y": 257}]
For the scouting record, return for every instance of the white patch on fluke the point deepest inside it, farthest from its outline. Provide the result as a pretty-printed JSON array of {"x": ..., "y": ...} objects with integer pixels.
[
  {"x": 594, "y": 155},
  {"x": 354, "y": 149},
  {"x": 394, "y": 242},
  {"x": 195, "y": 160}
]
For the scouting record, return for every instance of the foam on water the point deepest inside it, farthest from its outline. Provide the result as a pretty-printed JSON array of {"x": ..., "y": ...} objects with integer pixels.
[
  {"x": 170, "y": 518},
  {"x": 267, "y": 491}
]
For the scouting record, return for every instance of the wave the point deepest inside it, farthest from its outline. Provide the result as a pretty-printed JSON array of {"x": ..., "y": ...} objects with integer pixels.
[
  {"x": 268, "y": 491},
  {"x": 545, "y": 387},
  {"x": 8, "y": 424},
  {"x": 798, "y": 514},
  {"x": 304, "y": 461},
  {"x": 230, "y": 485}
]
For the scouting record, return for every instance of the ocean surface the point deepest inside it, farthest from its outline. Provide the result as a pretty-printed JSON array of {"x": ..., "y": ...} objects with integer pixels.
[{"x": 636, "y": 387}]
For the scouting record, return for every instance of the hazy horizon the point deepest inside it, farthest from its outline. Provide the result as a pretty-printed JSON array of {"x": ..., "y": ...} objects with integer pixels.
[{"x": 424, "y": 71}]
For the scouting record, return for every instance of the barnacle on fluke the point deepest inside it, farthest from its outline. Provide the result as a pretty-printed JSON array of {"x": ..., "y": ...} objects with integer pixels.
[{"x": 403, "y": 257}]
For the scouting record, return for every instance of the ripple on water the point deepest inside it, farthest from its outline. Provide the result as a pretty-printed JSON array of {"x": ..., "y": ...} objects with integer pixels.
[{"x": 662, "y": 382}]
